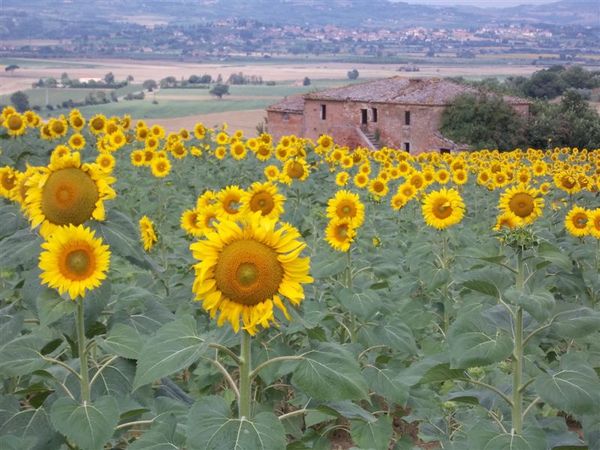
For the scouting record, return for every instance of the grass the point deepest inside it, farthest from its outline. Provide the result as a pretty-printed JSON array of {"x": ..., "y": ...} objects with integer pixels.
[
  {"x": 145, "y": 109},
  {"x": 37, "y": 63},
  {"x": 56, "y": 96}
]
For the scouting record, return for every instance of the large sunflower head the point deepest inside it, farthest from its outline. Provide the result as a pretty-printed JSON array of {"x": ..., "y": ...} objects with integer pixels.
[
  {"x": 443, "y": 208},
  {"x": 294, "y": 169},
  {"x": 577, "y": 221},
  {"x": 346, "y": 204},
  {"x": 67, "y": 193},
  {"x": 523, "y": 202},
  {"x": 245, "y": 268},
  {"x": 74, "y": 260},
  {"x": 15, "y": 124},
  {"x": 340, "y": 234},
  {"x": 8, "y": 180},
  {"x": 230, "y": 201},
  {"x": 594, "y": 222},
  {"x": 147, "y": 233},
  {"x": 263, "y": 198}
]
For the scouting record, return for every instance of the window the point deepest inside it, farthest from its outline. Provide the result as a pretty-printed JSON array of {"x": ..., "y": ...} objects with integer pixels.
[
  {"x": 407, "y": 147},
  {"x": 286, "y": 117},
  {"x": 374, "y": 111},
  {"x": 323, "y": 112},
  {"x": 444, "y": 150},
  {"x": 363, "y": 116},
  {"x": 406, "y": 117}
]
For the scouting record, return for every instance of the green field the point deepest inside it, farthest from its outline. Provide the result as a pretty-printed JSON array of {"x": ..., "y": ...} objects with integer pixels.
[{"x": 39, "y": 63}]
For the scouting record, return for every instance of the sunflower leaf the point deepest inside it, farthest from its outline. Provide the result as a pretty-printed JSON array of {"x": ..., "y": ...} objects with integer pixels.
[{"x": 175, "y": 345}]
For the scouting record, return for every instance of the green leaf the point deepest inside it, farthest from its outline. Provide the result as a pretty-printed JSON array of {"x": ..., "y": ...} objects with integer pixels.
[
  {"x": 330, "y": 373},
  {"x": 485, "y": 436},
  {"x": 473, "y": 341},
  {"x": 575, "y": 388},
  {"x": 52, "y": 307},
  {"x": 393, "y": 333},
  {"x": 348, "y": 410},
  {"x": 175, "y": 345},
  {"x": 372, "y": 435},
  {"x": 386, "y": 383},
  {"x": 23, "y": 247},
  {"x": 30, "y": 423},
  {"x": 90, "y": 425},
  {"x": 554, "y": 255},
  {"x": 211, "y": 428},
  {"x": 591, "y": 431},
  {"x": 577, "y": 322},
  {"x": 485, "y": 287},
  {"x": 538, "y": 303},
  {"x": 123, "y": 340},
  {"x": 327, "y": 265},
  {"x": 363, "y": 304},
  {"x": 162, "y": 436},
  {"x": 441, "y": 373},
  {"x": 20, "y": 356}
]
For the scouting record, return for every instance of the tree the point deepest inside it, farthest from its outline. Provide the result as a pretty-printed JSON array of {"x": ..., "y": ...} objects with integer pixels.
[
  {"x": 109, "y": 78},
  {"x": 149, "y": 85},
  {"x": 483, "y": 121},
  {"x": 11, "y": 68},
  {"x": 219, "y": 90},
  {"x": 20, "y": 101},
  {"x": 306, "y": 81},
  {"x": 352, "y": 74}
]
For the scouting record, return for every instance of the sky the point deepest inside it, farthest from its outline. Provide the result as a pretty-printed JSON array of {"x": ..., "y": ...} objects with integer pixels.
[{"x": 481, "y": 3}]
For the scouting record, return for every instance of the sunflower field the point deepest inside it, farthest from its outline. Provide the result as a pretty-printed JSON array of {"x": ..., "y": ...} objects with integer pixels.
[{"x": 204, "y": 290}]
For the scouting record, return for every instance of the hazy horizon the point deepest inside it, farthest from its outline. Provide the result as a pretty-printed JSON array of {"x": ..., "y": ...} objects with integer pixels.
[{"x": 480, "y": 3}]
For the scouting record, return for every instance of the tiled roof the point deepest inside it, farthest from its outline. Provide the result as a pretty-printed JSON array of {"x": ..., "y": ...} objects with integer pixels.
[
  {"x": 292, "y": 103},
  {"x": 413, "y": 91}
]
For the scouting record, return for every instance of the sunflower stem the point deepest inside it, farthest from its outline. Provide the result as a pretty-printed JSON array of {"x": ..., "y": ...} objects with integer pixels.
[
  {"x": 244, "y": 404},
  {"x": 83, "y": 354},
  {"x": 517, "y": 394}
]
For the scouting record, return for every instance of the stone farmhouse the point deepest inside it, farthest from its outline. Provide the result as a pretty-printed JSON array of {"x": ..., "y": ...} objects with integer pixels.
[{"x": 398, "y": 112}]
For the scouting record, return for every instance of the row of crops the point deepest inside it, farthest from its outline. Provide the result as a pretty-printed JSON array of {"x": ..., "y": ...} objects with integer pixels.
[{"x": 204, "y": 290}]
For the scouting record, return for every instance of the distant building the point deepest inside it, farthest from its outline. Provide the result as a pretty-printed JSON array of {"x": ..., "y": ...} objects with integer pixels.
[{"x": 398, "y": 112}]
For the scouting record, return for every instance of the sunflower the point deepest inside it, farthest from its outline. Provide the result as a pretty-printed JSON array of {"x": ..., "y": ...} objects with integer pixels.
[
  {"x": 325, "y": 142},
  {"x": 74, "y": 260},
  {"x": 8, "y": 180},
  {"x": 523, "y": 202},
  {"x": 443, "y": 208},
  {"x": 442, "y": 176},
  {"x": 244, "y": 270},
  {"x": 106, "y": 162},
  {"x": 577, "y": 221},
  {"x": 263, "y": 198},
  {"x": 137, "y": 158},
  {"x": 361, "y": 180},
  {"x": 398, "y": 201},
  {"x": 294, "y": 169},
  {"x": 220, "y": 152},
  {"x": 189, "y": 222},
  {"x": 199, "y": 130},
  {"x": 408, "y": 190},
  {"x": 238, "y": 150},
  {"x": 341, "y": 178},
  {"x": 339, "y": 234},
  {"x": 272, "y": 173},
  {"x": 230, "y": 201},
  {"x": 567, "y": 181},
  {"x": 506, "y": 220},
  {"x": 594, "y": 222},
  {"x": 77, "y": 141},
  {"x": 460, "y": 177},
  {"x": 208, "y": 198},
  {"x": 207, "y": 219},
  {"x": 147, "y": 233},
  {"x": 346, "y": 205},
  {"x": 15, "y": 124},
  {"x": 76, "y": 120},
  {"x": 378, "y": 187},
  {"x": 417, "y": 180},
  {"x": 160, "y": 167},
  {"x": 67, "y": 192},
  {"x": 157, "y": 131},
  {"x": 97, "y": 124},
  {"x": 222, "y": 138}
]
